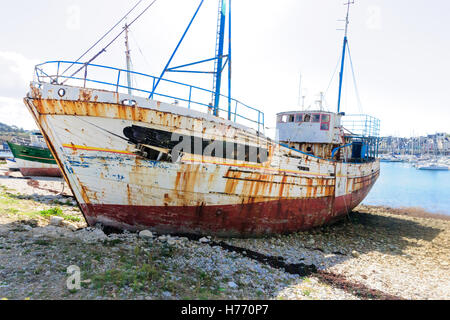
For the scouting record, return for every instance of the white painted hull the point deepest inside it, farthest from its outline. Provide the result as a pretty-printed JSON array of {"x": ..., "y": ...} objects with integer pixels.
[
  {"x": 25, "y": 164},
  {"x": 12, "y": 165},
  {"x": 117, "y": 186}
]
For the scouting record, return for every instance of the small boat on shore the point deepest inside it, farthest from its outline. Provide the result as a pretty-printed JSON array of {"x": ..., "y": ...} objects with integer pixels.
[{"x": 34, "y": 158}]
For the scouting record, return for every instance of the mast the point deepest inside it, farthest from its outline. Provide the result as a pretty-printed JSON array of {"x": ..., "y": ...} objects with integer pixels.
[
  {"x": 218, "y": 65},
  {"x": 341, "y": 75},
  {"x": 128, "y": 57},
  {"x": 229, "y": 60}
]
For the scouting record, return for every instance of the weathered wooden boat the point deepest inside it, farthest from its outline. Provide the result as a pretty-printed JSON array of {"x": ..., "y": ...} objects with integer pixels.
[
  {"x": 34, "y": 159},
  {"x": 135, "y": 159}
]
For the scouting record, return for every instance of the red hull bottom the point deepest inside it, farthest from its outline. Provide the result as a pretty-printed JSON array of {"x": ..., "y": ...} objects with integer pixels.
[
  {"x": 41, "y": 172},
  {"x": 255, "y": 219}
]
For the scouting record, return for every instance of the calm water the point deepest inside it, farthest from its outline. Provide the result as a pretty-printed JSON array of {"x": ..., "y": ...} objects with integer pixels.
[{"x": 401, "y": 185}]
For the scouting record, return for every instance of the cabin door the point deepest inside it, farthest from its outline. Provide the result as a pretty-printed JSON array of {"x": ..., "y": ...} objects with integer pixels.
[{"x": 341, "y": 180}]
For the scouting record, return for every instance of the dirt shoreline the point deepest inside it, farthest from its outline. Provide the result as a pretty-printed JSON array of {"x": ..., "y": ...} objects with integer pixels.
[
  {"x": 417, "y": 212},
  {"x": 377, "y": 253}
]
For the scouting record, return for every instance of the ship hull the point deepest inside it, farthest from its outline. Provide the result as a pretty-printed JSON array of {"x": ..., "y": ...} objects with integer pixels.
[
  {"x": 97, "y": 141},
  {"x": 12, "y": 164},
  {"x": 274, "y": 217}
]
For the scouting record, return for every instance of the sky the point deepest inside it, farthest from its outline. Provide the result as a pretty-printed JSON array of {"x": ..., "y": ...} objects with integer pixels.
[{"x": 400, "y": 52}]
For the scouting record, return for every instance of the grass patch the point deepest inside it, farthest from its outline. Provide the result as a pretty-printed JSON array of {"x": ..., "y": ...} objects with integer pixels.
[
  {"x": 141, "y": 271},
  {"x": 58, "y": 213},
  {"x": 8, "y": 199},
  {"x": 42, "y": 242},
  {"x": 112, "y": 243}
]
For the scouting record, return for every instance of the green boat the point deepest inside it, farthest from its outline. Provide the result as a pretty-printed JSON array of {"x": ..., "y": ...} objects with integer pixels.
[{"x": 35, "y": 159}]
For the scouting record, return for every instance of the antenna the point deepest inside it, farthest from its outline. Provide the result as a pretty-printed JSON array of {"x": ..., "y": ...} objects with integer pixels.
[
  {"x": 341, "y": 75},
  {"x": 128, "y": 57},
  {"x": 300, "y": 91}
]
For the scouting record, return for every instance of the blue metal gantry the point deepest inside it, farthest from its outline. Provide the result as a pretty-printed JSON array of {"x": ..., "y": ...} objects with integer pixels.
[{"x": 219, "y": 64}]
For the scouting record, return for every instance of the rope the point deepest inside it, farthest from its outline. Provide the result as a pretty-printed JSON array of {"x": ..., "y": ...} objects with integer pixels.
[
  {"x": 354, "y": 80},
  {"x": 332, "y": 78},
  {"x": 112, "y": 41},
  {"x": 139, "y": 48},
  {"x": 103, "y": 37}
]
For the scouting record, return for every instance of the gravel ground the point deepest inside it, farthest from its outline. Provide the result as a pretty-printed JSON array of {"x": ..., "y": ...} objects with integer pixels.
[{"x": 378, "y": 253}]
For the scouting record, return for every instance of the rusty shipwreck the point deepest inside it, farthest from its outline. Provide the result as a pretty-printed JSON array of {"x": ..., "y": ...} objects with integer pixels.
[{"x": 164, "y": 157}]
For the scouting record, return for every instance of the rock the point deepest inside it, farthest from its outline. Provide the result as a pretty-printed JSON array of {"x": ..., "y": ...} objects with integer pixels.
[
  {"x": 232, "y": 285},
  {"x": 355, "y": 254},
  {"x": 146, "y": 234},
  {"x": 56, "y": 221},
  {"x": 204, "y": 240},
  {"x": 91, "y": 235},
  {"x": 69, "y": 226},
  {"x": 167, "y": 294},
  {"x": 27, "y": 227}
]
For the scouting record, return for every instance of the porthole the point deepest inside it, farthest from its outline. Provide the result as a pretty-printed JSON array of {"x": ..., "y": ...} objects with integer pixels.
[
  {"x": 61, "y": 92},
  {"x": 128, "y": 102}
]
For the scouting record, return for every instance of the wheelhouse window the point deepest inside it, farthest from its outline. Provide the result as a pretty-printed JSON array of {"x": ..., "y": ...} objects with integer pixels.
[
  {"x": 307, "y": 118},
  {"x": 291, "y": 118},
  {"x": 326, "y": 118},
  {"x": 316, "y": 118},
  {"x": 325, "y": 122},
  {"x": 299, "y": 117},
  {"x": 283, "y": 118}
]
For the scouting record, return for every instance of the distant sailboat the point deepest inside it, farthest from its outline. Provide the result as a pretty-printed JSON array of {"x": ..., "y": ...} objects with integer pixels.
[{"x": 434, "y": 166}]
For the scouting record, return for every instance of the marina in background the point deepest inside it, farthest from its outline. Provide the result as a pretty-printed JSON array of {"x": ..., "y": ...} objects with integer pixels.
[{"x": 401, "y": 185}]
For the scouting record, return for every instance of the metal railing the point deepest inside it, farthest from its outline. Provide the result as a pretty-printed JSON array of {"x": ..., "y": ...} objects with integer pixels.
[
  {"x": 177, "y": 92},
  {"x": 362, "y": 125},
  {"x": 365, "y": 130}
]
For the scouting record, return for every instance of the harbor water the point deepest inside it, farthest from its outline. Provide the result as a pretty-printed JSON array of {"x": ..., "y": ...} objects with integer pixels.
[{"x": 402, "y": 185}]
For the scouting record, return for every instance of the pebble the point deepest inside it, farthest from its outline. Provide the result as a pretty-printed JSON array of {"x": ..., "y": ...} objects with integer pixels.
[
  {"x": 146, "y": 234},
  {"x": 56, "y": 221},
  {"x": 69, "y": 226},
  {"x": 355, "y": 254},
  {"x": 204, "y": 240}
]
